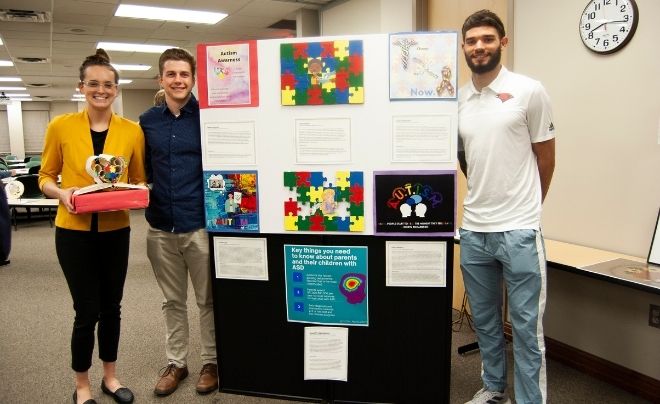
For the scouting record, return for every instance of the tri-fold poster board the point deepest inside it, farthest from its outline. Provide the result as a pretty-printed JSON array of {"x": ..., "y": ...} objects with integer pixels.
[{"x": 330, "y": 193}]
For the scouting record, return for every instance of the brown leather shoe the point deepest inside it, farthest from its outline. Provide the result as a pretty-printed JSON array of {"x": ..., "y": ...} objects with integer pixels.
[
  {"x": 208, "y": 379},
  {"x": 170, "y": 376}
]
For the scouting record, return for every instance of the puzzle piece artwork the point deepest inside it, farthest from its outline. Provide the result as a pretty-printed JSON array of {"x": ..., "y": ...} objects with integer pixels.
[
  {"x": 324, "y": 202},
  {"x": 322, "y": 73}
]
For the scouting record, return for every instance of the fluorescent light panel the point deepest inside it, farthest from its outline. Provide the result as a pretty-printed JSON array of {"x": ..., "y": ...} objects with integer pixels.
[
  {"x": 131, "y": 67},
  {"x": 133, "y": 47},
  {"x": 10, "y": 79},
  {"x": 6, "y": 63},
  {"x": 13, "y": 88},
  {"x": 168, "y": 14},
  {"x": 10, "y": 95}
]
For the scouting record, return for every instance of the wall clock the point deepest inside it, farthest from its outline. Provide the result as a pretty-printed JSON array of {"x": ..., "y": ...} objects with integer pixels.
[{"x": 606, "y": 26}]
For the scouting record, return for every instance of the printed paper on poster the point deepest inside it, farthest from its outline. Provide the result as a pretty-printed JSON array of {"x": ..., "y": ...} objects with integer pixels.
[{"x": 326, "y": 353}]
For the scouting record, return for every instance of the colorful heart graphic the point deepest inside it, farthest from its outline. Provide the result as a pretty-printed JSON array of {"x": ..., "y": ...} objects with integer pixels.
[{"x": 105, "y": 168}]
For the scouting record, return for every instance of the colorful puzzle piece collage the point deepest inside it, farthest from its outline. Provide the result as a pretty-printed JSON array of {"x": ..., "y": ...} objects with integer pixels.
[
  {"x": 322, "y": 73},
  {"x": 320, "y": 202}
]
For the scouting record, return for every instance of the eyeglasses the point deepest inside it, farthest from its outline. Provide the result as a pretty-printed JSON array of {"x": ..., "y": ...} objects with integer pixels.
[{"x": 108, "y": 85}]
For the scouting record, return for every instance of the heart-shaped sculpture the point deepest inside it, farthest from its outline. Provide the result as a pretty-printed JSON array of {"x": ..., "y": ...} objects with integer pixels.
[{"x": 105, "y": 168}]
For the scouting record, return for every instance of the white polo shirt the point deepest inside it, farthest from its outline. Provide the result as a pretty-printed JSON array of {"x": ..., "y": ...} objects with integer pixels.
[{"x": 496, "y": 128}]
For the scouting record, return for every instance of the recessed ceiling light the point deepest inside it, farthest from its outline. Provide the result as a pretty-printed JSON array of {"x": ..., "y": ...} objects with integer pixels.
[
  {"x": 13, "y": 88},
  {"x": 133, "y": 47},
  {"x": 6, "y": 63},
  {"x": 10, "y": 79},
  {"x": 125, "y": 81},
  {"x": 168, "y": 14},
  {"x": 131, "y": 67}
]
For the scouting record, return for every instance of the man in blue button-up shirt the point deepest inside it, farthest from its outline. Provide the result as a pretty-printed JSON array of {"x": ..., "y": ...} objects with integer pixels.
[{"x": 177, "y": 242}]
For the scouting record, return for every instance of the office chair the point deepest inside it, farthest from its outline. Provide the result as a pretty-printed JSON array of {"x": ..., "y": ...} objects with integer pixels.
[
  {"x": 32, "y": 163},
  {"x": 31, "y": 191},
  {"x": 31, "y": 185},
  {"x": 34, "y": 169}
]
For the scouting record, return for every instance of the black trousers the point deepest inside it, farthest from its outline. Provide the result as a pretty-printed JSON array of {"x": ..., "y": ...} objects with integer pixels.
[
  {"x": 5, "y": 226},
  {"x": 95, "y": 266}
]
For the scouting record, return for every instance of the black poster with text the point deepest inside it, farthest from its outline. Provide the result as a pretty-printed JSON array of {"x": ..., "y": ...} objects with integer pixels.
[{"x": 414, "y": 202}]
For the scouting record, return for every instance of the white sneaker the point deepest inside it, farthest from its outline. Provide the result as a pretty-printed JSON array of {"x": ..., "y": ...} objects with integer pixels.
[{"x": 484, "y": 396}]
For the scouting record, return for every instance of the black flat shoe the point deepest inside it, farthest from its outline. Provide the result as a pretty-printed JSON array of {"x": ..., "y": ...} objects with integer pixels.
[
  {"x": 121, "y": 395},
  {"x": 75, "y": 399}
]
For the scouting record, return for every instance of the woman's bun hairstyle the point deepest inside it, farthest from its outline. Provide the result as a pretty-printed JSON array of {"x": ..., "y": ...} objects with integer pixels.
[{"x": 100, "y": 58}]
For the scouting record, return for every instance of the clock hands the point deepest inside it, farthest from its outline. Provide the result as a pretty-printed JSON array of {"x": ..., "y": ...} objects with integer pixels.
[{"x": 607, "y": 22}]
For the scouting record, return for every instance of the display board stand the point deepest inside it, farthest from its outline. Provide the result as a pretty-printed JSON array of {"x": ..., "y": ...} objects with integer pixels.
[
  {"x": 343, "y": 143},
  {"x": 403, "y": 356}
]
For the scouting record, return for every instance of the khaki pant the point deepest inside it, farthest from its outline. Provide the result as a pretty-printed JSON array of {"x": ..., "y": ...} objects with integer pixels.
[{"x": 173, "y": 256}]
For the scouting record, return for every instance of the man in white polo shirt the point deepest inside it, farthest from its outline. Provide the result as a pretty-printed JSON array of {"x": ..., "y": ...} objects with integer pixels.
[{"x": 507, "y": 152}]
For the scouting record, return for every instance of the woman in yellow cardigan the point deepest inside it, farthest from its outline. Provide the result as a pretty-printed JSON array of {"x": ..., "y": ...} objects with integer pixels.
[{"x": 92, "y": 248}]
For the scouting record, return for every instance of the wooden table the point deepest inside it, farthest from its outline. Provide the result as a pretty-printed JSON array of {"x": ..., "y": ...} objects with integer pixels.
[{"x": 582, "y": 261}]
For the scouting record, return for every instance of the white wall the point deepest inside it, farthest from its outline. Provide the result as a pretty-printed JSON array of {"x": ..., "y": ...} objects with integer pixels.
[
  {"x": 62, "y": 107},
  {"x": 604, "y": 319},
  {"x": 135, "y": 102},
  {"x": 606, "y": 189},
  {"x": 131, "y": 104},
  {"x": 15, "y": 122},
  {"x": 368, "y": 17}
]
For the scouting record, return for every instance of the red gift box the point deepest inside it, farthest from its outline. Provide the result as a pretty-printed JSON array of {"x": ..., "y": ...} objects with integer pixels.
[{"x": 111, "y": 199}]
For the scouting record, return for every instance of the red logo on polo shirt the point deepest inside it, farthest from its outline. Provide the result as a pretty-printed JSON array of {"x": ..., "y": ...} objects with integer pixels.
[{"x": 504, "y": 97}]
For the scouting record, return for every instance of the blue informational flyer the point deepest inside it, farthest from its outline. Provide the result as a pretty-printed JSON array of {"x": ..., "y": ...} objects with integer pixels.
[{"x": 326, "y": 284}]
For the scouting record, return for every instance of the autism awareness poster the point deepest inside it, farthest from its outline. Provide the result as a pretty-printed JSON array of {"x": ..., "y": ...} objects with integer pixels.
[
  {"x": 415, "y": 203},
  {"x": 423, "y": 65},
  {"x": 322, "y": 73},
  {"x": 229, "y": 75},
  {"x": 326, "y": 284},
  {"x": 230, "y": 201}
]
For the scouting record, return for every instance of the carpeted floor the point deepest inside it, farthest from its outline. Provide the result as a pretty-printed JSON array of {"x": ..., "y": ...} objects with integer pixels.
[{"x": 35, "y": 327}]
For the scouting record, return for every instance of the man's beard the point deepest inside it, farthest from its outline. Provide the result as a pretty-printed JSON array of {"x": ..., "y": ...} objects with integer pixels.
[{"x": 485, "y": 68}]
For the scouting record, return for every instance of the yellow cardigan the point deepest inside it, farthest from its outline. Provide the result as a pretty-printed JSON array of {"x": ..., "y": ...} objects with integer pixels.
[{"x": 67, "y": 146}]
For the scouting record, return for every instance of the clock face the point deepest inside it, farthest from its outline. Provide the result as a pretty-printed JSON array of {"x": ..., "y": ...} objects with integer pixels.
[{"x": 608, "y": 25}]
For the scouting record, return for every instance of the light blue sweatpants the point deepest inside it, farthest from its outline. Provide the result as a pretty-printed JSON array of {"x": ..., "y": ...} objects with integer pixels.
[{"x": 518, "y": 257}]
